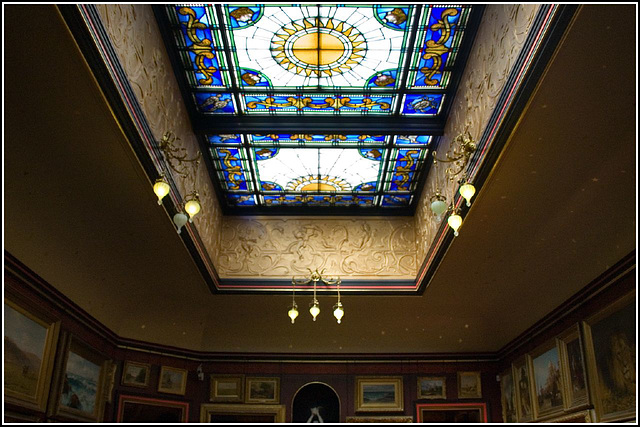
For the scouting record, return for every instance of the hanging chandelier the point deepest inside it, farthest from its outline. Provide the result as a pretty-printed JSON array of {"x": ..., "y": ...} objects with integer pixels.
[{"x": 314, "y": 305}]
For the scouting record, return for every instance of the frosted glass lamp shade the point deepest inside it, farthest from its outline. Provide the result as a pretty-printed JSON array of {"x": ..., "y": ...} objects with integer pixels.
[
  {"x": 467, "y": 191},
  {"x": 455, "y": 221},
  {"x": 192, "y": 207},
  {"x": 338, "y": 312},
  {"x": 293, "y": 313},
  {"x": 314, "y": 310},
  {"x": 179, "y": 220},
  {"x": 438, "y": 207},
  {"x": 161, "y": 188}
]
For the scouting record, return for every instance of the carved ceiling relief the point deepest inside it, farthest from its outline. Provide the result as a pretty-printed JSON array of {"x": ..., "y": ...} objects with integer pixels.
[
  {"x": 497, "y": 45},
  {"x": 139, "y": 46},
  {"x": 345, "y": 247}
]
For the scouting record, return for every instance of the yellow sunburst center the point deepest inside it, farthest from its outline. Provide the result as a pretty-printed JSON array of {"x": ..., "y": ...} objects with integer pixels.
[
  {"x": 318, "y": 49},
  {"x": 318, "y": 186}
]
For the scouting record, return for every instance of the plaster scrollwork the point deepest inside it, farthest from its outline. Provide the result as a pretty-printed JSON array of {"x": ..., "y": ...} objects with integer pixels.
[
  {"x": 281, "y": 248},
  {"x": 141, "y": 52},
  {"x": 497, "y": 45}
]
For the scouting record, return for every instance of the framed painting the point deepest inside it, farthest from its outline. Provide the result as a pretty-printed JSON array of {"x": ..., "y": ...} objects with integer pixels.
[
  {"x": 546, "y": 380},
  {"x": 379, "y": 394},
  {"x": 226, "y": 388},
  {"x": 575, "y": 418},
  {"x": 241, "y": 413},
  {"x": 610, "y": 341},
  {"x": 572, "y": 364},
  {"x": 432, "y": 387},
  {"x": 469, "y": 385},
  {"x": 30, "y": 341},
  {"x": 173, "y": 380},
  {"x": 136, "y": 409},
  {"x": 456, "y": 413},
  {"x": 522, "y": 385},
  {"x": 82, "y": 385},
  {"x": 262, "y": 390},
  {"x": 380, "y": 420},
  {"x": 508, "y": 396},
  {"x": 135, "y": 374}
]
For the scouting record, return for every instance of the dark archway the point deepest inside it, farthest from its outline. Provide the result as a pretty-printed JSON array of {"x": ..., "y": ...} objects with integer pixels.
[{"x": 316, "y": 395}]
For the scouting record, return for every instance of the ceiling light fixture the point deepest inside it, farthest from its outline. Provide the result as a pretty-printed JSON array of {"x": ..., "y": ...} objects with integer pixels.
[
  {"x": 462, "y": 147},
  {"x": 176, "y": 158},
  {"x": 314, "y": 306}
]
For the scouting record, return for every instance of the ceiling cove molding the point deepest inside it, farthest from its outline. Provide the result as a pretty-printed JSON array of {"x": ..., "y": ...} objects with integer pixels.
[{"x": 549, "y": 25}]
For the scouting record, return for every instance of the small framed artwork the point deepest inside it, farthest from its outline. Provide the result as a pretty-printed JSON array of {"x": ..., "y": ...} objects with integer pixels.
[
  {"x": 135, "y": 374},
  {"x": 469, "y": 385},
  {"x": 29, "y": 351},
  {"x": 262, "y": 390},
  {"x": 546, "y": 380},
  {"x": 379, "y": 394},
  {"x": 240, "y": 413},
  {"x": 508, "y": 396},
  {"x": 83, "y": 383},
  {"x": 136, "y": 409},
  {"x": 227, "y": 388},
  {"x": 381, "y": 420},
  {"x": 572, "y": 366},
  {"x": 610, "y": 342},
  {"x": 457, "y": 413},
  {"x": 173, "y": 380},
  {"x": 522, "y": 384},
  {"x": 432, "y": 387}
]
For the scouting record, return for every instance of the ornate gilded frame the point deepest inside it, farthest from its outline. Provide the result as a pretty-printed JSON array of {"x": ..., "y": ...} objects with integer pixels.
[
  {"x": 478, "y": 385},
  {"x": 207, "y": 409},
  {"x": 145, "y": 366},
  {"x": 568, "y": 337},
  {"x": 37, "y": 400},
  {"x": 256, "y": 380},
  {"x": 442, "y": 395},
  {"x": 361, "y": 384},
  {"x": 183, "y": 380},
  {"x": 554, "y": 410},
  {"x": 217, "y": 379}
]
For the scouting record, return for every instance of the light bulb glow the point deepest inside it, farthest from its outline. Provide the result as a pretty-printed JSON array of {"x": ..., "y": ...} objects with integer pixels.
[
  {"x": 467, "y": 191},
  {"x": 161, "y": 188},
  {"x": 192, "y": 207},
  {"x": 293, "y": 313},
  {"x": 338, "y": 312},
  {"x": 314, "y": 310},
  {"x": 179, "y": 220},
  {"x": 455, "y": 221}
]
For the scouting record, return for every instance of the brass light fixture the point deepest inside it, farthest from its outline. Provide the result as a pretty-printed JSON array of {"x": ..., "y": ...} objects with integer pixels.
[
  {"x": 462, "y": 148},
  {"x": 314, "y": 306},
  {"x": 176, "y": 158}
]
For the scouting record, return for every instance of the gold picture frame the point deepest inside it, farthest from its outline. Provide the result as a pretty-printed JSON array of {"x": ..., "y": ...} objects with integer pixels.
[
  {"x": 458, "y": 413},
  {"x": 135, "y": 374},
  {"x": 574, "y": 418},
  {"x": 576, "y": 388},
  {"x": 30, "y": 340},
  {"x": 508, "y": 396},
  {"x": 381, "y": 420},
  {"x": 469, "y": 385},
  {"x": 241, "y": 413},
  {"x": 82, "y": 382},
  {"x": 522, "y": 386},
  {"x": 379, "y": 394},
  {"x": 432, "y": 387},
  {"x": 262, "y": 390},
  {"x": 172, "y": 380},
  {"x": 138, "y": 409},
  {"x": 610, "y": 343},
  {"x": 226, "y": 388},
  {"x": 547, "y": 382}
]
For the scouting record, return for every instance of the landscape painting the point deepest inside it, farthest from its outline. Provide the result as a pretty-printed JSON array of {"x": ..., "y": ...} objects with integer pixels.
[
  {"x": 613, "y": 350},
  {"x": 379, "y": 394},
  {"x": 135, "y": 374},
  {"x": 576, "y": 386},
  {"x": 263, "y": 390},
  {"x": 24, "y": 344},
  {"x": 80, "y": 384},
  {"x": 469, "y": 385},
  {"x": 548, "y": 381},
  {"x": 172, "y": 380},
  {"x": 432, "y": 387}
]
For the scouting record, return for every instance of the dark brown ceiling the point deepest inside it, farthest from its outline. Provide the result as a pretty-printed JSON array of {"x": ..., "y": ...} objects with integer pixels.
[{"x": 558, "y": 209}]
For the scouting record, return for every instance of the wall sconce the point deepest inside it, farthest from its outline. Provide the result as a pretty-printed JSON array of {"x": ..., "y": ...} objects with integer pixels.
[
  {"x": 462, "y": 147},
  {"x": 314, "y": 306},
  {"x": 177, "y": 160}
]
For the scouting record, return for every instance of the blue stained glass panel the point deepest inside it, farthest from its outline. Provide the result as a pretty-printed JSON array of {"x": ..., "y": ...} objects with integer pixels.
[
  {"x": 318, "y": 104},
  {"x": 225, "y": 139},
  {"x": 215, "y": 103},
  {"x": 403, "y": 171},
  {"x": 231, "y": 166},
  {"x": 413, "y": 140},
  {"x": 397, "y": 200},
  {"x": 423, "y": 105},
  {"x": 241, "y": 199},
  {"x": 304, "y": 139}
]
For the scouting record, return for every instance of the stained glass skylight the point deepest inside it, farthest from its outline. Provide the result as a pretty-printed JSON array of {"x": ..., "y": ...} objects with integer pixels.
[{"x": 357, "y": 62}]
